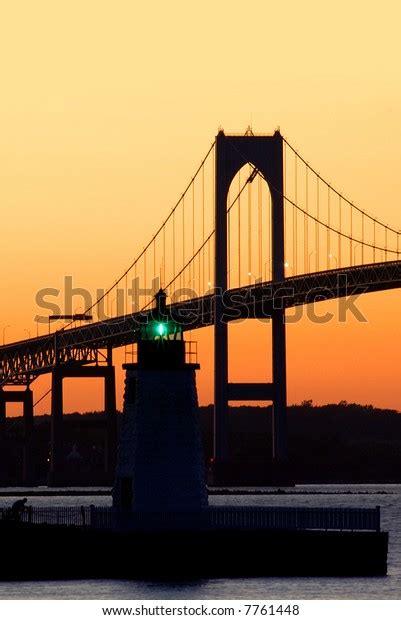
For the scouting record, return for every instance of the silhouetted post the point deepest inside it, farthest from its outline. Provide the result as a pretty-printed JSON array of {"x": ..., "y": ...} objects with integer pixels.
[
  {"x": 27, "y": 466},
  {"x": 278, "y": 319},
  {"x": 56, "y": 433},
  {"x": 2, "y": 432},
  {"x": 111, "y": 415},
  {"x": 280, "y": 448},
  {"x": 2, "y": 414},
  {"x": 220, "y": 327}
]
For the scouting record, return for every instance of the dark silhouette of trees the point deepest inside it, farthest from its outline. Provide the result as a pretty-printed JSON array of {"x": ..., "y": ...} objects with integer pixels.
[{"x": 338, "y": 442}]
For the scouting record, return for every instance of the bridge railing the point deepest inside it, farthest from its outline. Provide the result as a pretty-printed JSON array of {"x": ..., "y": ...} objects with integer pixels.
[
  {"x": 191, "y": 352},
  {"x": 215, "y": 517},
  {"x": 61, "y": 515},
  {"x": 252, "y": 517}
]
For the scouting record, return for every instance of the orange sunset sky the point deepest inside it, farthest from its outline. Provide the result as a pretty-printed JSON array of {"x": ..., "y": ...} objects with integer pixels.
[{"x": 106, "y": 110}]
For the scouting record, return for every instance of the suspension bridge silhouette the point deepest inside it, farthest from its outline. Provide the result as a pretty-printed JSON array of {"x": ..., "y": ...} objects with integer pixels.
[{"x": 256, "y": 231}]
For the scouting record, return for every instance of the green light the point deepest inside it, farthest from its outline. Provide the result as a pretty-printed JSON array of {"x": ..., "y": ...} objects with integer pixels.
[{"x": 160, "y": 329}]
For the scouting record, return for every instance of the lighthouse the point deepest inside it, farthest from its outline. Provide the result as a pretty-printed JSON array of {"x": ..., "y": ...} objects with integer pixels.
[{"x": 160, "y": 465}]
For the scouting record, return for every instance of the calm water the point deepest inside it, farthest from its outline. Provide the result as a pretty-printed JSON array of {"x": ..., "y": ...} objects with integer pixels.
[{"x": 387, "y": 496}]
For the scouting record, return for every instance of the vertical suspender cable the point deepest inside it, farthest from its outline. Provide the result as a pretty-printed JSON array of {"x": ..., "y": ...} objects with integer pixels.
[
  {"x": 374, "y": 241},
  {"x": 350, "y": 238},
  {"x": 295, "y": 214},
  {"x": 173, "y": 245},
  {"x": 285, "y": 199},
  {"x": 328, "y": 227},
  {"x": 239, "y": 229},
  {"x": 269, "y": 236},
  {"x": 385, "y": 242},
  {"x": 363, "y": 237},
  {"x": 144, "y": 276},
  {"x": 154, "y": 259},
  {"x": 209, "y": 280},
  {"x": 213, "y": 203},
  {"x": 135, "y": 291},
  {"x": 229, "y": 241},
  {"x": 250, "y": 228},
  {"x": 306, "y": 223},
  {"x": 340, "y": 230},
  {"x": 183, "y": 283},
  {"x": 202, "y": 279},
  {"x": 199, "y": 288},
  {"x": 193, "y": 235},
  {"x": 317, "y": 241},
  {"x": 260, "y": 221},
  {"x": 162, "y": 272},
  {"x": 126, "y": 294}
]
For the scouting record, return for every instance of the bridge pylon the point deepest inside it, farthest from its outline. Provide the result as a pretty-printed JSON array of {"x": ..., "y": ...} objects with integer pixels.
[{"x": 265, "y": 153}]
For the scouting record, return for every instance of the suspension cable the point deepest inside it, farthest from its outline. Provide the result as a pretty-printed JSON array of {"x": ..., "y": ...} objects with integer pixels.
[
  {"x": 344, "y": 198},
  {"x": 142, "y": 253}
]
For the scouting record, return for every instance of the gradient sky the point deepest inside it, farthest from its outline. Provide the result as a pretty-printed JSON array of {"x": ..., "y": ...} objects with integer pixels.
[{"x": 106, "y": 110}]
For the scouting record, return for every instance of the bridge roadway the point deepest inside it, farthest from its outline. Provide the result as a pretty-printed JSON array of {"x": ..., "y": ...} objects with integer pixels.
[{"x": 23, "y": 361}]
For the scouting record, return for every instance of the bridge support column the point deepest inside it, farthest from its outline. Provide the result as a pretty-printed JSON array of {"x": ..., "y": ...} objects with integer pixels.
[
  {"x": 57, "y": 440},
  {"x": 220, "y": 327},
  {"x": 279, "y": 430},
  {"x": 26, "y": 398},
  {"x": 56, "y": 430},
  {"x": 2, "y": 414},
  {"x": 279, "y": 417},
  {"x": 110, "y": 408},
  {"x": 2, "y": 432},
  {"x": 27, "y": 463}
]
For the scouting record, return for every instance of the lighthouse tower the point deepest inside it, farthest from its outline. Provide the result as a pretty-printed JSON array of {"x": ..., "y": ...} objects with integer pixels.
[{"x": 160, "y": 465}]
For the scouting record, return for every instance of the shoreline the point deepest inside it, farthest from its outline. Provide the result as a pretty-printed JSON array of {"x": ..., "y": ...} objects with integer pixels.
[{"x": 222, "y": 491}]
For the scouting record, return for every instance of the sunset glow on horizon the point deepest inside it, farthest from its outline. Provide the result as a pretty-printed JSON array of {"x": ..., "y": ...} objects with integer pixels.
[{"x": 106, "y": 112}]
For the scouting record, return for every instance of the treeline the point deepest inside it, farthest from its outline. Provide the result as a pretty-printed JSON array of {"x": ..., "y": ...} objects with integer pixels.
[{"x": 343, "y": 442}]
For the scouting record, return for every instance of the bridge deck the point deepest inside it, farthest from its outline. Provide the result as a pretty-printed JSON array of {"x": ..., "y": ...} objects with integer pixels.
[{"x": 32, "y": 357}]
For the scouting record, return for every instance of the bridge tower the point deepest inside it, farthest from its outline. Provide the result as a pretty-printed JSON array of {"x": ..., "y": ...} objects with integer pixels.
[{"x": 266, "y": 154}]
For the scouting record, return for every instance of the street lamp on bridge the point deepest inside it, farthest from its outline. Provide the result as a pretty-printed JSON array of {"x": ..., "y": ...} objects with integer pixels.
[
  {"x": 288, "y": 266},
  {"x": 257, "y": 279},
  {"x": 334, "y": 258}
]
